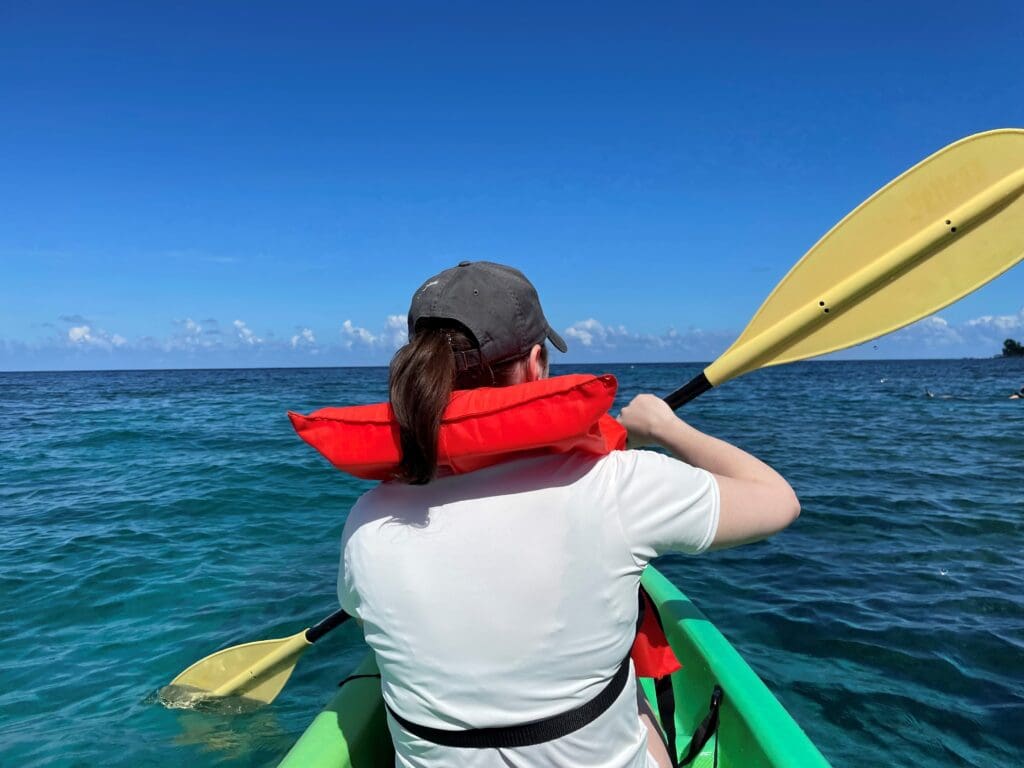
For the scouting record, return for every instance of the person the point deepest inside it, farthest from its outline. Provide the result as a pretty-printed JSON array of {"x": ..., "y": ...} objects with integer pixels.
[
  {"x": 1018, "y": 395},
  {"x": 508, "y": 595}
]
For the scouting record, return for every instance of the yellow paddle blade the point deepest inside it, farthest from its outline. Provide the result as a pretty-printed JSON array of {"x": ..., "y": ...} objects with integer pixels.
[
  {"x": 255, "y": 671},
  {"x": 944, "y": 228}
]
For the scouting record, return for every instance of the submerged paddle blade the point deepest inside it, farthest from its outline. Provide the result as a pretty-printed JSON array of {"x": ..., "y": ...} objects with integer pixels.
[
  {"x": 255, "y": 671},
  {"x": 943, "y": 229}
]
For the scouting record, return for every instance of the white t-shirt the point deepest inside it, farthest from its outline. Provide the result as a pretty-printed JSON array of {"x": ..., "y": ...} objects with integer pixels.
[{"x": 508, "y": 595}]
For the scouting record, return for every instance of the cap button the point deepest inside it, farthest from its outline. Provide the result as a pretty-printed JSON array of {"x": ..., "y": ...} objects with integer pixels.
[{"x": 465, "y": 263}]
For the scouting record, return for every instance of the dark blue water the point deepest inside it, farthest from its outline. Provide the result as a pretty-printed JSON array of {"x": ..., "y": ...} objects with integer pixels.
[{"x": 149, "y": 518}]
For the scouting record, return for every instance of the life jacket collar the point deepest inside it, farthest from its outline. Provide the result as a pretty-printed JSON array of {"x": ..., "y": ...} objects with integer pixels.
[{"x": 480, "y": 427}]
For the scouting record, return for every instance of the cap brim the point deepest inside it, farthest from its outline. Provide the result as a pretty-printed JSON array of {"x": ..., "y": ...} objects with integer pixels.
[{"x": 557, "y": 340}]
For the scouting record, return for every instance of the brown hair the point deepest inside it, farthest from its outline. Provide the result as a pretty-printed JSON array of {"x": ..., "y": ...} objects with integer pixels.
[{"x": 423, "y": 376}]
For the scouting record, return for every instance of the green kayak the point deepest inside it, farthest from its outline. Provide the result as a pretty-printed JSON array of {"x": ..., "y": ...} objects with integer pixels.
[{"x": 755, "y": 731}]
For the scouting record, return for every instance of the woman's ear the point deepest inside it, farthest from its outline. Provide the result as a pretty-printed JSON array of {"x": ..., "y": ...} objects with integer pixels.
[{"x": 536, "y": 369}]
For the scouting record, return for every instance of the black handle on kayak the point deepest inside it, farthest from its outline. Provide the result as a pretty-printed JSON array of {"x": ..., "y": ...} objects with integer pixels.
[
  {"x": 333, "y": 621},
  {"x": 691, "y": 390}
]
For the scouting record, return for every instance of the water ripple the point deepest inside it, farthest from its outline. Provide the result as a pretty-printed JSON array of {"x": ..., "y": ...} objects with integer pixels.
[{"x": 150, "y": 518}]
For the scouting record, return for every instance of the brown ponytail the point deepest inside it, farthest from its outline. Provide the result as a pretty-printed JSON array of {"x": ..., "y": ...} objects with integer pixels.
[{"x": 422, "y": 378}]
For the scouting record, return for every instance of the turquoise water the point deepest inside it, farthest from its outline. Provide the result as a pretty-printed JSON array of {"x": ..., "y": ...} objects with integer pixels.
[{"x": 150, "y": 518}]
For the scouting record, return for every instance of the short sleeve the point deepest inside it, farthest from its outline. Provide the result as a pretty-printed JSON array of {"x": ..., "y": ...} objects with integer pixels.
[
  {"x": 664, "y": 504},
  {"x": 347, "y": 595}
]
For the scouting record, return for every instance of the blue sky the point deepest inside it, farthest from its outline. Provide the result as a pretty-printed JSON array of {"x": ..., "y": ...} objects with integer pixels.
[{"x": 221, "y": 184}]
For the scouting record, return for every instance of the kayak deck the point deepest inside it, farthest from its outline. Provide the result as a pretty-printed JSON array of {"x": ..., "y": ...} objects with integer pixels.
[{"x": 755, "y": 730}]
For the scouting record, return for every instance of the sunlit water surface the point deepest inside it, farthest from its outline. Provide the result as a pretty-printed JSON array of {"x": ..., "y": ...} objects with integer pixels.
[{"x": 150, "y": 518}]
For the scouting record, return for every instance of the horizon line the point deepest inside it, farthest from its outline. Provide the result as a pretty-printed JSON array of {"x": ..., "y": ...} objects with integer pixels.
[{"x": 553, "y": 365}]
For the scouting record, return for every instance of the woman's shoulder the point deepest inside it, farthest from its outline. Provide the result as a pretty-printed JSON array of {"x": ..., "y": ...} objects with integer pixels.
[
  {"x": 366, "y": 507},
  {"x": 646, "y": 461}
]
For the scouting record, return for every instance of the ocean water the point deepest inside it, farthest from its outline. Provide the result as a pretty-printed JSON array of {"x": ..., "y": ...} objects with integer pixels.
[{"x": 150, "y": 518}]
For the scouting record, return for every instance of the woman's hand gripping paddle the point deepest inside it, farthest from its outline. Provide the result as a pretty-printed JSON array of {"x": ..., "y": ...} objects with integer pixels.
[
  {"x": 943, "y": 229},
  {"x": 255, "y": 671}
]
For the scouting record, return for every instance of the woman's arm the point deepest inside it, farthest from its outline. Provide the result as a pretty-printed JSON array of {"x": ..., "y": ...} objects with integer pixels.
[{"x": 755, "y": 500}]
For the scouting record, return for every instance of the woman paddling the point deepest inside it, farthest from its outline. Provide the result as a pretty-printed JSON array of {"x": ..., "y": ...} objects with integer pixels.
[{"x": 504, "y": 600}]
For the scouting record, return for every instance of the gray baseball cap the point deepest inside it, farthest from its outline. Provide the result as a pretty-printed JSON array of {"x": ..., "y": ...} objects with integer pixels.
[{"x": 495, "y": 303}]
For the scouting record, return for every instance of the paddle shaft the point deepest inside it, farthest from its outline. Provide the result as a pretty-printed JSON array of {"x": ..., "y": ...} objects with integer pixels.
[
  {"x": 333, "y": 621},
  {"x": 691, "y": 390}
]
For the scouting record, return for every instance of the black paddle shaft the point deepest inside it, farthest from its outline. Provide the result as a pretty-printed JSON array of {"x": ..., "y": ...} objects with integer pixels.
[
  {"x": 691, "y": 390},
  {"x": 317, "y": 631}
]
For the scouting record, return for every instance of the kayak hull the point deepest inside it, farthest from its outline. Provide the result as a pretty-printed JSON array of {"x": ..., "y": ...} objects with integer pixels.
[
  {"x": 352, "y": 731},
  {"x": 755, "y": 730}
]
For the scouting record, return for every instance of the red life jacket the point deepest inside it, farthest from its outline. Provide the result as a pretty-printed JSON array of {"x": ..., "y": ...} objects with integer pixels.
[
  {"x": 487, "y": 426},
  {"x": 480, "y": 427}
]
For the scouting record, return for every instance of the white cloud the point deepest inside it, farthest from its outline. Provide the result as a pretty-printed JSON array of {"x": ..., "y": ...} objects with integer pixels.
[
  {"x": 195, "y": 342},
  {"x": 191, "y": 335},
  {"x": 245, "y": 334},
  {"x": 354, "y": 334},
  {"x": 1000, "y": 323},
  {"x": 585, "y": 331},
  {"x": 593, "y": 337},
  {"x": 304, "y": 338},
  {"x": 396, "y": 331},
  {"x": 981, "y": 336},
  {"x": 85, "y": 336},
  {"x": 594, "y": 334},
  {"x": 932, "y": 336},
  {"x": 931, "y": 332},
  {"x": 81, "y": 334},
  {"x": 391, "y": 337}
]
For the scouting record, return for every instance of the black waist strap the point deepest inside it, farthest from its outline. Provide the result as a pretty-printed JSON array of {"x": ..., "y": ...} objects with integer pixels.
[{"x": 537, "y": 732}]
